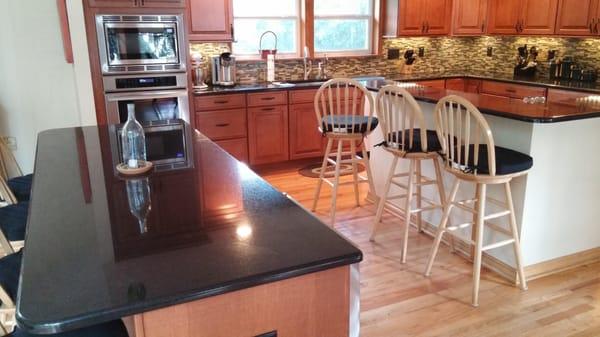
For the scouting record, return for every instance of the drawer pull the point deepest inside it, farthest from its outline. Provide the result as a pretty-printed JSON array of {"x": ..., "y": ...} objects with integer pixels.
[
  {"x": 221, "y": 102},
  {"x": 268, "y": 109},
  {"x": 268, "y": 98},
  {"x": 511, "y": 90},
  {"x": 222, "y": 125}
]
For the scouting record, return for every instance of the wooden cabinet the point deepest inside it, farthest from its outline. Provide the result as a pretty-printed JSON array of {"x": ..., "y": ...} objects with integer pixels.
[
  {"x": 223, "y": 119},
  {"x": 511, "y": 90},
  {"x": 565, "y": 97},
  {"x": 424, "y": 17},
  {"x": 268, "y": 134},
  {"x": 137, "y": 3},
  {"x": 473, "y": 86},
  {"x": 457, "y": 84},
  {"x": 578, "y": 17},
  {"x": 469, "y": 17},
  {"x": 439, "y": 84},
  {"x": 532, "y": 17},
  {"x": 306, "y": 141},
  {"x": 210, "y": 20}
]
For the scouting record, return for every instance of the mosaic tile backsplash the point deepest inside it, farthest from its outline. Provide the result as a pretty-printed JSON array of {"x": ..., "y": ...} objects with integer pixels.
[{"x": 442, "y": 55}]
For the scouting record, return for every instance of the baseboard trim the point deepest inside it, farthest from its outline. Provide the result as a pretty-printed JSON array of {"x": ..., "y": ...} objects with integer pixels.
[{"x": 498, "y": 266}]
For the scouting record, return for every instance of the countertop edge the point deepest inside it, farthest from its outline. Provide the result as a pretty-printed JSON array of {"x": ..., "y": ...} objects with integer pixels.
[{"x": 69, "y": 324}]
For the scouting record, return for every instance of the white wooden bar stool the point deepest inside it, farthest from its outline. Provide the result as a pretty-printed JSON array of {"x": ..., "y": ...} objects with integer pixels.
[
  {"x": 471, "y": 156},
  {"x": 406, "y": 137},
  {"x": 340, "y": 108}
]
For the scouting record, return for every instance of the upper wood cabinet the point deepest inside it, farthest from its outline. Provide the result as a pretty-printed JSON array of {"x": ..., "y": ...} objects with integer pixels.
[
  {"x": 210, "y": 20},
  {"x": 512, "y": 17},
  {"x": 137, "y": 3},
  {"x": 578, "y": 17},
  {"x": 469, "y": 17},
  {"x": 424, "y": 17}
]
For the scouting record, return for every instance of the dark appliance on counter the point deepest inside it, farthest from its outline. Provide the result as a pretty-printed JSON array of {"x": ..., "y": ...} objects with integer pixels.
[
  {"x": 223, "y": 70},
  {"x": 526, "y": 65},
  {"x": 409, "y": 57},
  {"x": 566, "y": 66}
]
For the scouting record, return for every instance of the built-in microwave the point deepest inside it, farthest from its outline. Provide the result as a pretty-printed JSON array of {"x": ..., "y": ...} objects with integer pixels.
[
  {"x": 141, "y": 43},
  {"x": 150, "y": 106}
]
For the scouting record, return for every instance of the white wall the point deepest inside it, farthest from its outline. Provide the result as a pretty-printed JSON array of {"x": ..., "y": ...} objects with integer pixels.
[{"x": 38, "y": 89}]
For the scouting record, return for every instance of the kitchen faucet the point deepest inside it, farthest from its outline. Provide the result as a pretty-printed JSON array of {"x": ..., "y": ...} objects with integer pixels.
[{"x": 307, "y": 64}]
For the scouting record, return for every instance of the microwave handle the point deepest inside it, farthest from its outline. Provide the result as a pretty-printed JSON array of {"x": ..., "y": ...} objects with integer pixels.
[{"x": 145, "y": 95}]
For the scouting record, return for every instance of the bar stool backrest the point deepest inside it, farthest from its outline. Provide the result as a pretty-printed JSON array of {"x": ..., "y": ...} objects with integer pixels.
[
  {"x": 9, "y": 168},
  {"x": 399, "y": 115},
  {"x": 6, "y": 194},
  {"x": 459, "y": 125},
  {"x": 343, "y": 100},
  {"x": 7, "y": 311}
]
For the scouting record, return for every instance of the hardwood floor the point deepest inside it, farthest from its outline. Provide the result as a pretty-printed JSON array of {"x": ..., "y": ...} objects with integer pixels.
[{"x": 397, "y": 300}]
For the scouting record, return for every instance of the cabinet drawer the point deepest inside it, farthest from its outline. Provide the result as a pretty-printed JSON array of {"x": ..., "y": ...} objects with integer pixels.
[
  {"x": 511, "y": 90},
  {"x": 458, "y": 84},
  {"x": 565, "y": 97},
  {"x": 218, "y": 102},
  {"x": 238, "y": 148},
  {"x": 439, "y": 84},
  {"x": 267, "y": 98},
  {"x": 225, "y": 124},
  {"x": 302, "y": 96}
]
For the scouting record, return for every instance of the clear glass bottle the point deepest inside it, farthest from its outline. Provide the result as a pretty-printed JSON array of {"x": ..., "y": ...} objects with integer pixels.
[{"x": 133, "y": 140}]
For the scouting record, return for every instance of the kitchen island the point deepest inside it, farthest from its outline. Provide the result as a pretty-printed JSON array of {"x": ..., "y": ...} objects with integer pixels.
[
  {"x": 209, "y": 249},
  {"x": 555, "y": 203}
]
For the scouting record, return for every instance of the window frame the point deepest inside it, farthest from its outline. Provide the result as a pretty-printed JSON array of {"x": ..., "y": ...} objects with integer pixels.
[
  {"x": 298, "y": 38},
  {"x": 351, "y": 52}
]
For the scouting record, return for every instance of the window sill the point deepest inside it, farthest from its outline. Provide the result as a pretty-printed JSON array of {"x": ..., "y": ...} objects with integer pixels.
[{"x": 297, "y": 58}]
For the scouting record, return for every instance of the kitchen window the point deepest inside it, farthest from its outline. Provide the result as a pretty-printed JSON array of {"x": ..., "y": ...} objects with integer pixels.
[
  {"x": 343, "y": 27},
  {"x": 252, "y": 18}
]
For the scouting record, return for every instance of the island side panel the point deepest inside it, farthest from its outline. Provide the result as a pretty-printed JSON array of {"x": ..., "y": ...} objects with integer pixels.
[{"x": 316, "y": 304}]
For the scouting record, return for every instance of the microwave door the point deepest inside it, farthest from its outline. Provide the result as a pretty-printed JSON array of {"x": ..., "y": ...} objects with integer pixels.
[{"x": 141, "y": 43}]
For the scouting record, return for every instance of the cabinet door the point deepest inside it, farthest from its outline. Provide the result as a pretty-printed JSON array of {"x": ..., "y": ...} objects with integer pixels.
[
  {"x": 538, "y": 17},
  {"x": 504, "y": 16},
  {"x": 268, "y": 134},
  {"x": 469, "y": 17},
  {"x": 163, "y": 3},
  {"x": 306, "y": 141},
  {"x": 457, "y": 84},
  {"x": 210, "y": 20},
  {"x": 238, "y": 148},
  {"x": 576, "y": 17},
  {"x": 113, "y": 3},
  {"x": 437, "y": 16},
  {"x": 411, "y": 18}
]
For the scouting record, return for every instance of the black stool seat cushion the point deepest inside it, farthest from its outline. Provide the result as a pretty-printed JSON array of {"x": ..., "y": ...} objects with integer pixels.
[
  {"x": 13, "y": 220},
  {"x": 507, "y": 161},
  {"x": 10, "y": 268},
  {"x": 433, "y": 143},
  {"x": 110, "y": 329},
  {"x": 21, "y": 186},
  {"x": 348, "y": 124}
]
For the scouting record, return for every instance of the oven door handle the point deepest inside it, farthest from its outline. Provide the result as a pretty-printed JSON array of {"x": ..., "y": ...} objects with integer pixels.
[{"x": 130, "y": 96}]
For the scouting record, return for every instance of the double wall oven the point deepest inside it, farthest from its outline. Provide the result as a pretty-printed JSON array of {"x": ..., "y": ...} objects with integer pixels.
[{"x": 143, "y": 61}]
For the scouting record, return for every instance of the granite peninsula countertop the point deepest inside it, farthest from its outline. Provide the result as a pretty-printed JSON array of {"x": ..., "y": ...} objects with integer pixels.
[
  {"x": 213, "y": 228},
  {"x": 500, "y": 106}
]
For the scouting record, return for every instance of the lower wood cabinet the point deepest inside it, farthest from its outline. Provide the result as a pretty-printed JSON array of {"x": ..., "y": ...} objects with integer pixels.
[
  {"x": 238, "y": 148},
  {"x": 458, "y": 84},
  {"x": 439, "y": 84},
  {"x": 268, "y": 134},
  {"x": 306, "y": 141},
  {"x": 511, "y": 90}
]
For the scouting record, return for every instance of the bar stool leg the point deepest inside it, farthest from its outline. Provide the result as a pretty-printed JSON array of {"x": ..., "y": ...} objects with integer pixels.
[
  {"x": 515, "y": 232},
  {"x": 383, "y": 198},
  {"x": 482, "y": 188},
  {"x": 322, "y": 174},
  {"x": 365, "y": 159},
  {"x": 354, "y": 171},
  {"x": 336, "y": 181},
  {"x": 442, "y": 228},
  {"x": 419, "y": 193},
  {"x": 407, "y": 207},
  {"x": 439, "y": 178}
]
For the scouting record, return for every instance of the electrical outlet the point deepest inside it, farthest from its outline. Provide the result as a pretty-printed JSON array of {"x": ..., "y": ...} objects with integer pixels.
[
  {"x": 490, "y": 51},
  {"x": 11, "y": 143},
  {"x": 421, "y": 52}
]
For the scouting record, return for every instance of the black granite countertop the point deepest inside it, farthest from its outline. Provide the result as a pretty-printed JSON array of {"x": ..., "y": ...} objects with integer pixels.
[
  {"x": 211, "y": 229},
  {"x": 592, "y": 87}
]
